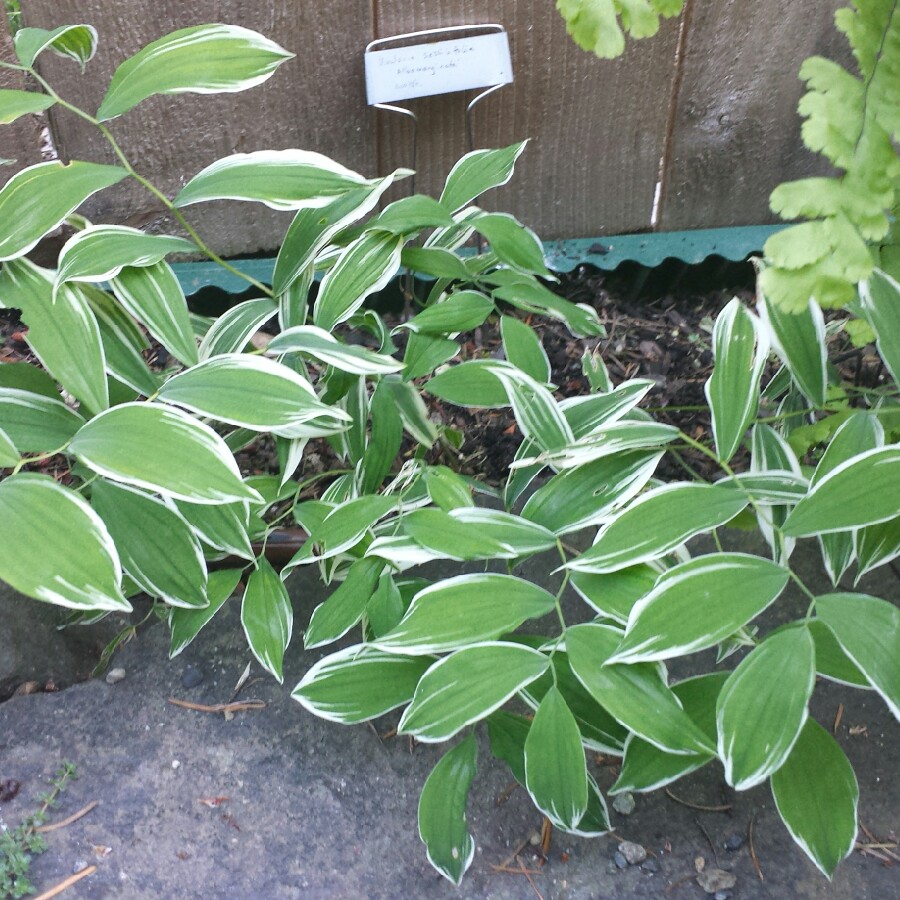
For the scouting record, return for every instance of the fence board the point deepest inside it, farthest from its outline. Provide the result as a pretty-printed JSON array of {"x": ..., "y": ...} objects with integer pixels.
[
  {"x": 315, "y": 101},
  {"x": 21, "y": 140},
  {"x": 597, "y": 126},
  {"x": 737, "y": 133}
]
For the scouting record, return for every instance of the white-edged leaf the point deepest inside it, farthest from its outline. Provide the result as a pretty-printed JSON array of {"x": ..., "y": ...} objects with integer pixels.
[
  {"x": 740, "y": 350},
  {"x": 698, "y": 603},
  {"x": 614, "y": 594},
  {"x": 461, "y": 311},
  {"x": 593, "y": 413},
  {"x": 555, "y": 770},
  {"x": 223, "y": 526},
  {"x": 410, "y": 215},
  {"x": 39, "y": 198},
  {"x": 516, "y": 534},
  {"x": 281, "y": 179},
  {"x": 868, "y": 630},
  {"x": 537, "y": 414},
  {"x": 366, "y": 266},
  {"x": 763, "y": 706},
  {"x": 267, "y": 617},
  {"x": 321, "y": 345},
  {"x": 770, "y": 453},
  {"x": 162, "y": 449},
  {"x": 656, "y": 523},
  {"x": 478, "y": 172},
  {"x": 77, "y": 42},
  {"x": 880, "y": 301},
  {"x": 635, "y": 694},
  {"x": 860, "y": 491},
  {"x": 101, "y": 251},
  {"x": 15, "y": 104},
  {"x": 186, "y": 624},
  {"x": 204, "y": 59},
  {"x": 231, "y": 331},
  {"x": 411, "y": 407},
  {"x": 513, "y": 243},
  {"x": 468, "y": 685},
  {"x": 447, "y": 489},
  {"x": 473, "y": 384},
  {"x": 463, "y": 609},
  {"x": 153, "y": 295},
  {"x": 877, "y": 545},
  {"x": 157, "y": 547},
  {"x": 523, "y": 349},
  {"x": 442, "y": 811},
  {"x": 252, "y": 392},
  {"x": 34, "y": 423},
  {"x": 832, "y": 661},
  {"x": 359, "y": 683},
  {"x": 9, "y": 456},
  {"x": 816, "y": 795},
  {"x": 55, "y": 547}
]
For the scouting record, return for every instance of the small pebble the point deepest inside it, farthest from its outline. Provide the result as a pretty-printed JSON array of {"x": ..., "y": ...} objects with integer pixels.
[
  {"x": 620, "y": 860},
  {"x": 176, "y": 764},
  {"x": 723, "y": 895},
  {"x": 80, "y": 866},
  {"x": 633, "y": 853},
  {"x": 535, "y": 839},
  {"x": 715, "y": 881},
  {"x": 734, "y": 842},
  {"x": 624, "y": 804},
  {"x": 191, "y": 677},
  {"x": 650, "y": 865},
  {"x": 114, "y": 676}
]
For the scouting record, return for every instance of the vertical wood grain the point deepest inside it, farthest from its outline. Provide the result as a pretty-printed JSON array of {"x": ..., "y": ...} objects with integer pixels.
[
  {"x": 21, "y": 140},
  {"x": 597, "y": 127},
  {"x": 315, "y": 102},
  {"x": 736, "y": 130}
]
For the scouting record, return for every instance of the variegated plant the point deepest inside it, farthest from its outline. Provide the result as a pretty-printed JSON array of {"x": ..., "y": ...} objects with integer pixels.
[{"x": 152, "y": 491}]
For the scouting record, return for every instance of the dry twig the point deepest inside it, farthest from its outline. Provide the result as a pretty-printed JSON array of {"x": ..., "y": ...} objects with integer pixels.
[
  {"x": 73, "y": 818},
  {"x": 65, "y": 885},
  {"x": 753, "y": 851},
  {"x": 689, "y": 805},
  {"x": 219, "y": 707}
]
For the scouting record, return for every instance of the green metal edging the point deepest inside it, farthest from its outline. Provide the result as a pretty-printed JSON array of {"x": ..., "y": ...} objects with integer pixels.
[{"x": 607, "y": 253}]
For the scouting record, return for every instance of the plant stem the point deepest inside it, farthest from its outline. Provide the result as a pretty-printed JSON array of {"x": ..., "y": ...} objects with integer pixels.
[{"x": 149, "y": 186}]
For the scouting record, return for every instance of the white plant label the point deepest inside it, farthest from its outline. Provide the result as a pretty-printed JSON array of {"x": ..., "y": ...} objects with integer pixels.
[{"x": 440, "y": 67}]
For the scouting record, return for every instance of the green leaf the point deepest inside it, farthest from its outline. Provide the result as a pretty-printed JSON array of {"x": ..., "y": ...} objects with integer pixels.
[
  {"x": 698, "y": 603},
  {"x": 359, "y": 683},
  {"x": 186, "y": 624},
  {"x": 413, "y": 412},
  {"x": 831, "y": 660},
  {"x": 425, "y": 353},
  {"x": 514, "y": 244},
  {"x": 868, "y": 630},
  {"x": 253, "y": 392},
  {"x": 9, "y": 456},
  {"x": 555, "y": 770},
  {"x": 473, "y": 384},
  {"x": 78, "y": 42},
  {"x": 591, "y": 415},
  {"x": 231, "y": 331},
  {"x": 464, "y": 609},
  {"x": 78, "y": 567},
  {"x": 34, "y": 423},
  {"x": 657, "y": 522},
  {"x": 447, "y": 490},
  {"x": 157, "y": 546},
  {"x": 587, "y": 495},
  {"x": 594, "y": 26},
  {"x": 466, "y": 686},
  {"x": 763, "y": 706},
  {"x": 385, "y": 439},
  {"x": 38, "y": 199},
  {"x": 799, "y": 340},
  {"x": 635, "y": 694},
  {"x": 344, "y": 527},
  {"x": 14, "y": 104},
  {"x": 205, "y": 59},
  {"x": 267, "y": 617},
  {"x": 449, "y": 538},
  {"x": 162, "y": 449},
  {"x": 410, "y": 215},
  {"x": 537, "y": 414},
  {"x": 816, "y": 795},
  {"x": 614, "y": 595},
  {"x": 281, "y": 179},
  {"x": 223, "y": 526},
  {"x": 313, "y": 228},
  {"x": 595, "y": 821},
  {"x": 442, "y": 811},
  {"x": 740, "y": 348},
  {"x": 319, "y": 344},
  {"x": 860, "y": 491},
  {"x": 336, "y": 615},
  {"x": 523, "y": 349},
  {"x": 366, "y": 266},
  {"x": 101, "y": 251},
  {"x": 461, "y": 311},
  {"x": 877, "y": 545},
  {"x": 508, "y": 733},
  {"x": 477, "y": 172},
  {"x": 879, "y": 298},
  {"x": 647, "y": 768},
  {"x": 385, "y": 607},
  {"x": 436, "y": 262},
  {"x": 28, "y": 377},
  {"x": 63, "y": 335}
]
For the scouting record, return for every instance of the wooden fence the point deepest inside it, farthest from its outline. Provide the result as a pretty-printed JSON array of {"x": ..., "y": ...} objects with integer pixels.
[{"x": 690, "y": 129}]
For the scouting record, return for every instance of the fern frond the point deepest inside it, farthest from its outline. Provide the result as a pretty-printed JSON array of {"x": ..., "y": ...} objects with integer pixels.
[
  {"x": 595, "y": 24},
  {"x": 853, "y": 121}
]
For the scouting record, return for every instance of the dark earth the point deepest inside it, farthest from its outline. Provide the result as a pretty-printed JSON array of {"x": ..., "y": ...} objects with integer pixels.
[{"x": 269, "y": 802}]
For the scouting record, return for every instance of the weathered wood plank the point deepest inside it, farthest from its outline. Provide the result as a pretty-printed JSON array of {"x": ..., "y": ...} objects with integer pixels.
[
  {"x": 20, "y": 141},
  {"x": 736, "y": 130},
  {"x": 315, "y": 101},
  {"x": 597, "y": 127}
]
